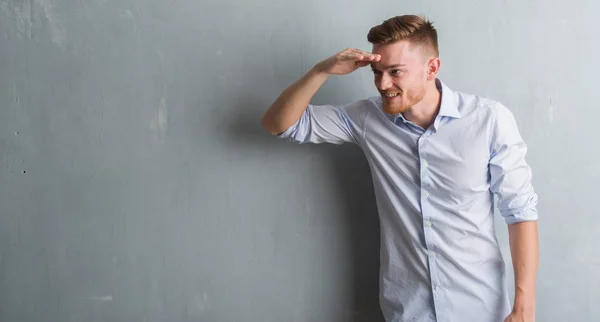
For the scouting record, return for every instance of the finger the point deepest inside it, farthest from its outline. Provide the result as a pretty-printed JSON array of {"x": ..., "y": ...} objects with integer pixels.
[
  {"x": 354, "y": 50},
  {"x": 354, "y": 53},
  {"x": 348, "y": 51},
  {"x": 357, "y": 55},
  {"x": 369, "y": 56},
  {"x": 353, "y": 56},
  {"x": 375, "y": 57},
  {"x": 360, "y": 52}
]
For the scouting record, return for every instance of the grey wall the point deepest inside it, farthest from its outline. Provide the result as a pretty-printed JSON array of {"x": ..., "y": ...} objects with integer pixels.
[{"x": 137, "y": 185}]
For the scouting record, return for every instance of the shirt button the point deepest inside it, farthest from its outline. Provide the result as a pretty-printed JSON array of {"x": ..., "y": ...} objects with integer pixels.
[
  {"x": 427, "y": 223},
  {"x": 425, "y": 163},
  {"x": 426, "y": 193},
  {"x": 432, "y": 254},
  {"x": 436, "y": 288}
]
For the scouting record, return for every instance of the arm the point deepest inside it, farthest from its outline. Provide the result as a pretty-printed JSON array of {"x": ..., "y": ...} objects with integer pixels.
[
  {"x": 511, "y": 181},
  {"x": 293, "y": 101},
  {"x": 523, "y": 239}
]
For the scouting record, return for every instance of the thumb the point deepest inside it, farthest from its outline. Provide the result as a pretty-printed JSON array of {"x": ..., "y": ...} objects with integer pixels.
[{"x": 363, "y": 63}]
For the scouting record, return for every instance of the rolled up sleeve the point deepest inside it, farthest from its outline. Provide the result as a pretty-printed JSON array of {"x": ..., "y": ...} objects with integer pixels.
[
  {"x": 327, "y": 124},
  {"x": 510, "y": 174}
]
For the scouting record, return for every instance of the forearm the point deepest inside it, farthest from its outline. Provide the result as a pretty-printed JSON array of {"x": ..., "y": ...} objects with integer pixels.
[
  {"x": 523, "y": 239},
  {"x": 293, "y": 101}
]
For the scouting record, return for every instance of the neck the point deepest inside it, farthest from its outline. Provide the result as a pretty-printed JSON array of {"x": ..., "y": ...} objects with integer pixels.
[{"x": 424, "y": 113}]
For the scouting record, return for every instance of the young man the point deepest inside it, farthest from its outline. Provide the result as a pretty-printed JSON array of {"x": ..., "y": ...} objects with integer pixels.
[{"x": 437, "y": 158}]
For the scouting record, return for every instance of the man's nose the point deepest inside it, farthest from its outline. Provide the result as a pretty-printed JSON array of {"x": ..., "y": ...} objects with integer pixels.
[{"x": 385, "y": 83}]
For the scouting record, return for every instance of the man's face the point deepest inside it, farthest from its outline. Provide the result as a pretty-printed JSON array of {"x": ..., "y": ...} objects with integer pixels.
[{"x": 400, "y": 75}]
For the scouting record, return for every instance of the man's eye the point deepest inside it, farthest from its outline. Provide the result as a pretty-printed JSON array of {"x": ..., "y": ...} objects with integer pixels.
[
  {"x": 395, "y": 71},
  {"x": 376, "y": 72}
]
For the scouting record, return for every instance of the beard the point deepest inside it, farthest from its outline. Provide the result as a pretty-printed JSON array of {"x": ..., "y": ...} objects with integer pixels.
[{"x": 403, "y": 101}]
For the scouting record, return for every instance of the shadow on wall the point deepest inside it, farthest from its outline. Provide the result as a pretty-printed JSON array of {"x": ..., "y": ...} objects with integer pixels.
[
  {"x": 353, "y": 178},
  {"x": 349, "y": 171}
]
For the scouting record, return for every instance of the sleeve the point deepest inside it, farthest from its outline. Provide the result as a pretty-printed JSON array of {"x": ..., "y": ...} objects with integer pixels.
[
  {"x": 510, "y": 175},
  {"x": 328, "y": 124}
]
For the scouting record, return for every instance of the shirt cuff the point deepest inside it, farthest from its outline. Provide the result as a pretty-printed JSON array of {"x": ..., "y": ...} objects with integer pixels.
[
  {"x": 290, "y": 132},
  {"x": 527, "y": 214}
]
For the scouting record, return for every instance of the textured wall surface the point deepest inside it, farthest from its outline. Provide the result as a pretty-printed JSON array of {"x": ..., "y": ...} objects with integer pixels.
[{"x": 136, "y": 183}]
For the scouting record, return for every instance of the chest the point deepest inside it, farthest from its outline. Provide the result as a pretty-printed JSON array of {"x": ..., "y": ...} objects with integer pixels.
[{"x": 454, "y": 158}]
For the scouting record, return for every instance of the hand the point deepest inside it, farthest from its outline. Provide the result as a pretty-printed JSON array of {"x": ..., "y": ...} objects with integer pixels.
[
  {"x": 347, "y": 61},
  {"x": 522, "y": 316}
]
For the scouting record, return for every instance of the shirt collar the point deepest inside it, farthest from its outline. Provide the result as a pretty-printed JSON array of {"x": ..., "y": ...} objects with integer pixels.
[{"x": 449, "y": 105}]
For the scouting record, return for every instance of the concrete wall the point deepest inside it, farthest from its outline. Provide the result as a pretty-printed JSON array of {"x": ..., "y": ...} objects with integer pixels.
[{"x": 137, "y": 185}]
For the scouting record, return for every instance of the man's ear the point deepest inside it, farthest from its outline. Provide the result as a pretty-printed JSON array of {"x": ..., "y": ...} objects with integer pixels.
[{"x": 433, "y": 67}]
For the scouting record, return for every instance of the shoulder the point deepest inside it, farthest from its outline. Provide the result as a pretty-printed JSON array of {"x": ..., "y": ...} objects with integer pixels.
[
  {"x": 360, "y": 109},
  {"x": 365, "y": 104},
  {"x": 480, "y": 106}
]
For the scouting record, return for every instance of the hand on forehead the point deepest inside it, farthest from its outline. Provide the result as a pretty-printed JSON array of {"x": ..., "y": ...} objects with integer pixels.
[{"x": 399, "y": 54}]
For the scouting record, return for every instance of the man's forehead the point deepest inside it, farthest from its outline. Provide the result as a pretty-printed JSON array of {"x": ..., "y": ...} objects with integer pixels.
[
  {"x": 396, "y": 55},
  {"x": 388, "y": 61}
]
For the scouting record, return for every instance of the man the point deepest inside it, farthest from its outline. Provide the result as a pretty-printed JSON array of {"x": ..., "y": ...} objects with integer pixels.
[{"x": 437, "y": 159}]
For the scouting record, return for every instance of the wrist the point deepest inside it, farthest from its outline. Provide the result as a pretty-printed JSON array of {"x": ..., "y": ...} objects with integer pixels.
[
  {"x": 319, "y": 70},
  {"x": 524, "y": 304}
]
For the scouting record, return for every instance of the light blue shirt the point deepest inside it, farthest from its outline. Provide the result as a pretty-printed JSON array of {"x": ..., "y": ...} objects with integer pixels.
[{"x": 440, "y": 259}]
